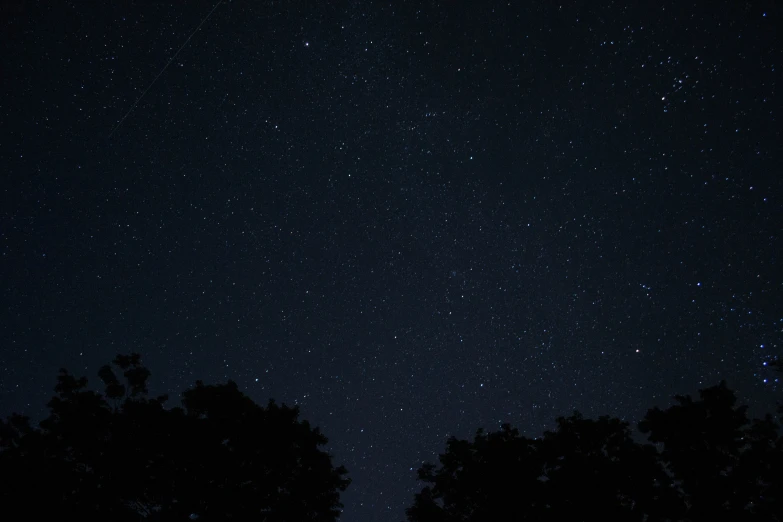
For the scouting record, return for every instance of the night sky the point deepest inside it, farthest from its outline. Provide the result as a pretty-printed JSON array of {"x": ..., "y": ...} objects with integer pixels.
[{"x": 413, "y": 219}]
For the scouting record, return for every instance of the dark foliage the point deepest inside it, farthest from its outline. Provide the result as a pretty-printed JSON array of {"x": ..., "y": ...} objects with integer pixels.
[
  {"x": 705, "y": 461},
  {"x": 121, "y": 456}
]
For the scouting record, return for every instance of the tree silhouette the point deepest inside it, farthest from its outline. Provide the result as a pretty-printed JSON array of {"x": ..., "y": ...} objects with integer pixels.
[
  {"x": 705, "y": 461},
  {"x": 726, "y": 466},
  {"x": 122, "y": 456}
]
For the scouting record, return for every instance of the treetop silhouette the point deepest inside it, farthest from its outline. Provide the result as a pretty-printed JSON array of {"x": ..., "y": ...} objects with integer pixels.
[
  {"x": 121, "y": 456},
  {"x": 705, "y": 461}
]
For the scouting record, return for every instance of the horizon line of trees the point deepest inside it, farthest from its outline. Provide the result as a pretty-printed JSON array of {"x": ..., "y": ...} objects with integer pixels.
[{"x": 121, "y": 455}]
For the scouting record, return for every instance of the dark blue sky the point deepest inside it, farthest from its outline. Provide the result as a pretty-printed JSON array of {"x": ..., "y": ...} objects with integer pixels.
[{"x": 413, "y": 219}]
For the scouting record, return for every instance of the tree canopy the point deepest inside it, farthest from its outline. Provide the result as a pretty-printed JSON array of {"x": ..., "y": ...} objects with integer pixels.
[
  {"x": 123, "y": 456},
  {"x": 120, "y": 455},
  {"x": 704, "y": 461}
]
